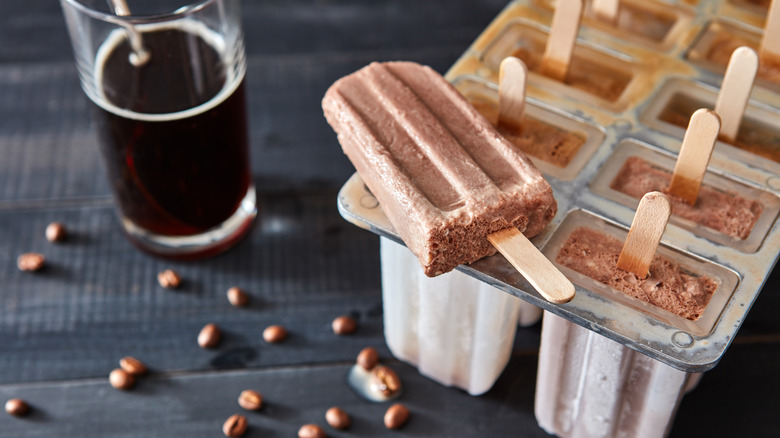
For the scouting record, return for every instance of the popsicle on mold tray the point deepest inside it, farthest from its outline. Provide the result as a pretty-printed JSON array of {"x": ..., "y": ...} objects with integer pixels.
[{"x": 445, "y": 178}]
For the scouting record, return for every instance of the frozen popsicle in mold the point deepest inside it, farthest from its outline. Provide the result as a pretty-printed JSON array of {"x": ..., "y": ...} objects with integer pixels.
[
  {"x": 631, "y": 266},
  {"x": 589, "y": 386},
  {"x": 650, "y": 23},
  {"x": 453, "y": 187},
  {"x": 668, "y": 287},
  {"x": 757, "y": 140},
  {"x": 559, "y": 144},
  {"x": 538, "y": 137},
  {"x": 714, "y": 48},
  {"x": 732, "y": 101},
  {"x": 723, "y": 46},
  {"x": 590, "y": 73},
  {"x": 716, "y": 209},
  {"x": 680, "y": 290},
  {"x": 727, "y": 211},
  {"x": 533, "y": 137},
  {"x": 755, "y": 136},
  {"x": 723, "y": 211},
  {"x": 720, "y": 210}
]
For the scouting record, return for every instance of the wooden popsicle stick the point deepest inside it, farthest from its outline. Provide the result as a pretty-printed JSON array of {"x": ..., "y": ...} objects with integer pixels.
[
  {"x": 560, "y": 42},
  {"x": 735, "y": 91},
  {"x": 533, "y": 265},
  {"x": 606, "y": 10},
  {"x": 511, "y": 91},
  {"x": 645, "y": 233},
  {"x": 770, "y": 42},
  {"x": 695, "y": 154}
]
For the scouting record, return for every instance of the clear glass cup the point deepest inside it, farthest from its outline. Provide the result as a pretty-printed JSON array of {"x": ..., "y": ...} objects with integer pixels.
[{"x": 167, "y": 83}]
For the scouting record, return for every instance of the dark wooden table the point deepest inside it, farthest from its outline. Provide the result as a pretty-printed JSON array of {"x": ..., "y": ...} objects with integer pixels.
[{"x": 64, "y": 329}]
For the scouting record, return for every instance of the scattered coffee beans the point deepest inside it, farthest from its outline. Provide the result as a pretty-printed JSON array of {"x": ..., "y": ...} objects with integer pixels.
[
  {"x": 132, "y": 366},
  {"x": 17, "y": 407},
  {"x": 237, "y": 297},
  {"x": 56, "y": 232},
  {"x": 274, "y": 333},
  {"x": 368, "y": 358},
  {"x": 121, "y": 379},
  {"x": 311, "y": 431},
  {"x": 396, "y": 416},
  {"x": 384, "y": 381},
  {"x": 344, "y": 325},
  {"x": 30, "y": 261},
  {"x": 209, "y": 336},
  {"x": 235, "y": 426},
  {"x": 250, "y": 400},
  {"x": 169, "y": 279},
  {"x": 337, "y": 418}
]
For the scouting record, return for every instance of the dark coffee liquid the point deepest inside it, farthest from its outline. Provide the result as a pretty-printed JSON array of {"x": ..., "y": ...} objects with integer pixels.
[{"x": 174, "y": 134}]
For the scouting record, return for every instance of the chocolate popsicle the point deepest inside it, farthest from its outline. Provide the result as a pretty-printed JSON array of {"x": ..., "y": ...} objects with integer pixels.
[{"x": 443, "y": 175}]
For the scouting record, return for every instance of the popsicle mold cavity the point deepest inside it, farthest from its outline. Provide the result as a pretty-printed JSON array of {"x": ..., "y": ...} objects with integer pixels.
[
  {"x": 443, "y": 175},
  {"x": 667, "y": 285},
  {"x": 722, "y": 211},
  {"x": 592, "y": 72},
  {"x": 726, "y": 211},
  {"x": 713, "y": 50},
  {"x": 753, "y": 136},
  {"x": 680, "y": 290},
  {"x": 758, "y": 139},
  {"x": 652, "y": 23},
  {"x": 560, "y": 145},
  {"x": 535, "y": 137}
]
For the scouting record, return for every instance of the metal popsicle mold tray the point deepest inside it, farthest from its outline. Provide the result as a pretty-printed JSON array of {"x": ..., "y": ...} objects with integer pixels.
[{"x": 661, "y": 64}]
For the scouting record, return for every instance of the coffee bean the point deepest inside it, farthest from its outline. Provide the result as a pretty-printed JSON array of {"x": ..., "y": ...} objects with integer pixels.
[
  {"x": 169, "y": 279},
  {"x": 132, "y": 366},
  {"x": 311, "y": 431},
  {"x": 237, "y": 297},
  {"x": 55, "y": 232},
  {"x": 368, "y": 358},
  {"x": 396, "y": 416},
  {"x": 235, "y": 426},
  {"x": 275, "y": 333},
  {"x": 121, "y": 379},
  {"x": 250, "y": 400},
  {"x": 344, "y": 325},
  {"x": 385, "y": 381},
  {"x": 17, "y": 407},
  {"x": 30, "y": 261},
  {"x": 209, "y": 336},
  {"x": 337, "y": 418}
]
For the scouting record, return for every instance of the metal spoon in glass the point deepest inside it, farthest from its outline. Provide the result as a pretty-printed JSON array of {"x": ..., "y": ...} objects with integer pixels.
[{"x": 140, "y": 56}]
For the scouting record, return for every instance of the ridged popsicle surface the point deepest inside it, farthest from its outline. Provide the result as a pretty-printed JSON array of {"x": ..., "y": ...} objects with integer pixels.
[{"x": 442, "y": 174}]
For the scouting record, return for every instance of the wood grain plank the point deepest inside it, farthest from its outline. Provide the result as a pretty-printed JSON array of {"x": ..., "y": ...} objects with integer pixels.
[
  {"x": 196, "y": 404},
  {"x": 98, "y": 299}
]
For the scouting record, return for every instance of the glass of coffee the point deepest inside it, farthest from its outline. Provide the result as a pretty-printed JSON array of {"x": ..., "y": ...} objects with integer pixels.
[{"x": 167, "y": 82}]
